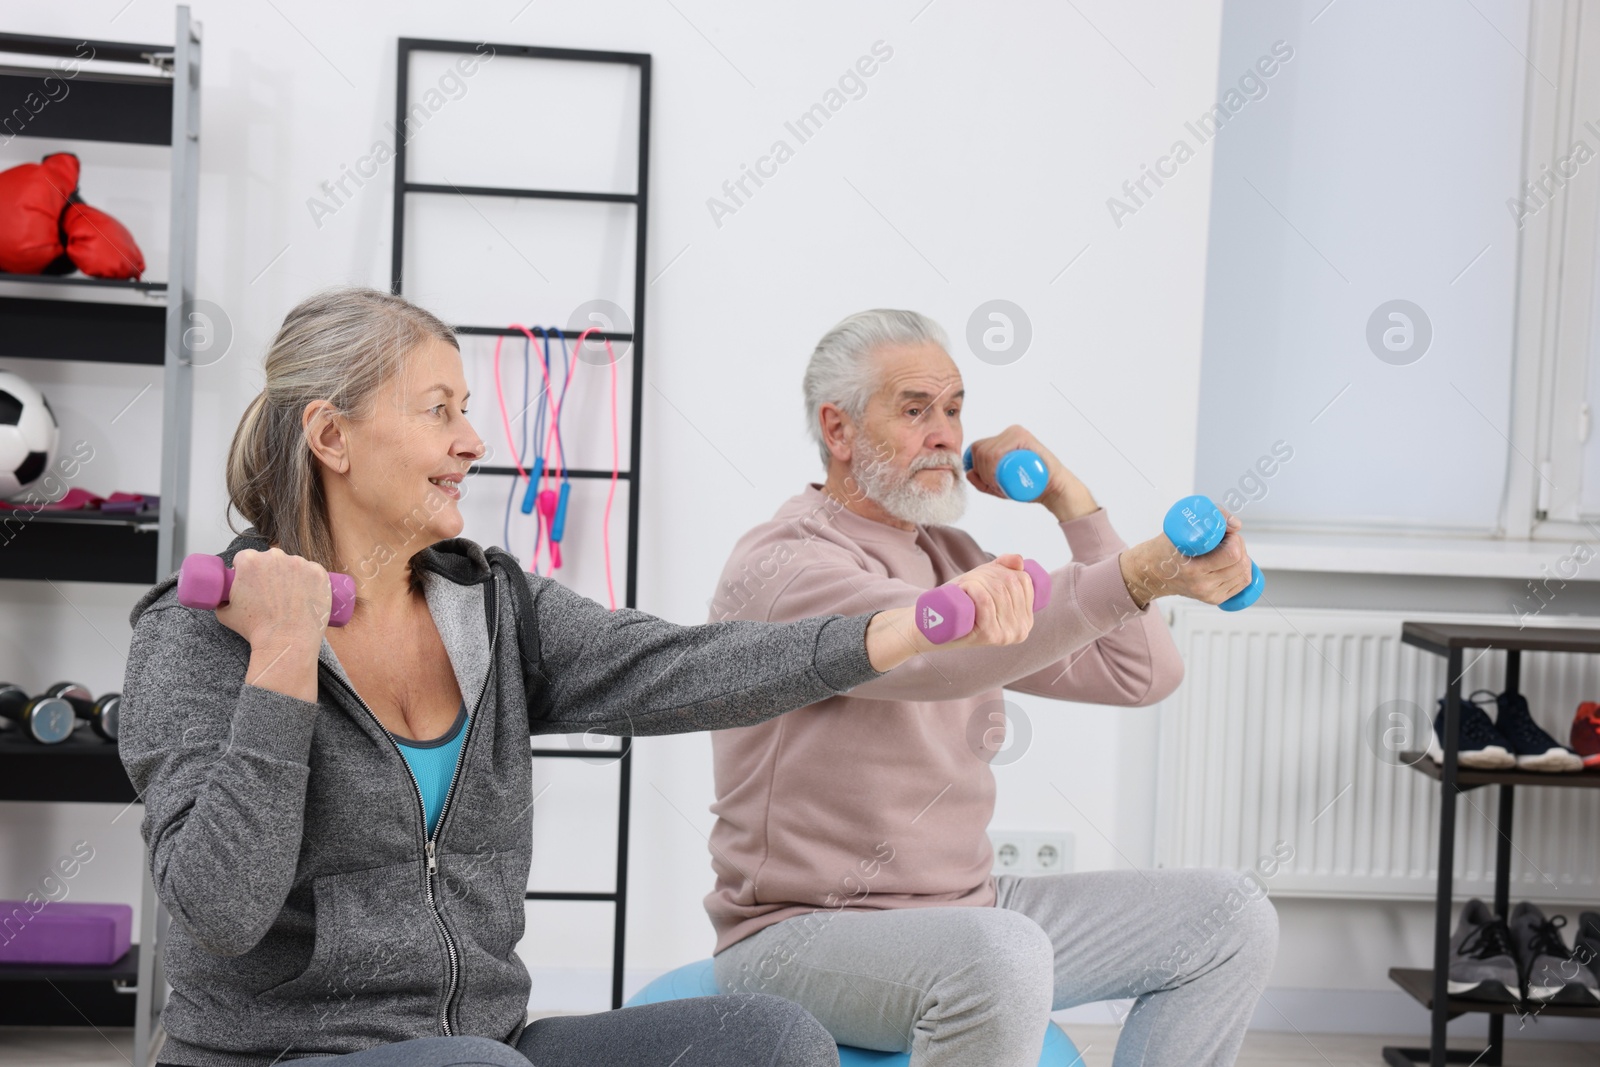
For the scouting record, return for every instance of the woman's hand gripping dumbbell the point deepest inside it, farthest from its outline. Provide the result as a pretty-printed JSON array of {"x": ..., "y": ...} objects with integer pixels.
[
  {"x": 207, "y": 583},
  {"x": 993, "y": 603},
  {"x": 281, "y": 604}
]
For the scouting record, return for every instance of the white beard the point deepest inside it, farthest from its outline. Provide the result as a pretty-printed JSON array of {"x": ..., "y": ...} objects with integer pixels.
[{"x": 897, "y": 493}]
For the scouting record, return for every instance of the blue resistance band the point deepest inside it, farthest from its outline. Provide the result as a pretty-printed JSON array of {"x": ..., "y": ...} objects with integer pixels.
[
  {"x": 522, "y": 449},
  {"x": 558, "y": 525}
]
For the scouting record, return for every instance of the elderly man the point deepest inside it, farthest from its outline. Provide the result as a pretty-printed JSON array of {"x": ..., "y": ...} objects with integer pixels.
[{"x": 852, "y": 863}]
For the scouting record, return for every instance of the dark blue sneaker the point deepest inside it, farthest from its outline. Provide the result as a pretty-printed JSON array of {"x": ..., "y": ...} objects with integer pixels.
[
  {"x": 1535, "y": 750},
  {"x": 1483, "y": 748}
]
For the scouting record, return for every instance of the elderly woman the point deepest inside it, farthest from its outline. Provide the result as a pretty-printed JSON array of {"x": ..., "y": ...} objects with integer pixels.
[{"x": 339, "y": 819}]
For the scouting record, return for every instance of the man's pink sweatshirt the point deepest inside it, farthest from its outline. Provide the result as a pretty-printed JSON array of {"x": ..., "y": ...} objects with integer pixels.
[{"x": 881, "y": 798}]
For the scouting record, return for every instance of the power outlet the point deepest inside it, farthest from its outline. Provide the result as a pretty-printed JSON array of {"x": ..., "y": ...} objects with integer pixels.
[
  {"x": 1010, "y": 856},
  {"x": 1031, "y": 851},
  {"x": 1052, "y": 854}
]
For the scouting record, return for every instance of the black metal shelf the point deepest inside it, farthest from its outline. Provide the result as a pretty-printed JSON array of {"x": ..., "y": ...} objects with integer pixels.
[
  {"x": 1429, "y": 987},
  {"x": 72, "y": 47},
  {"x": 1467, "y": 778},
  {"x": 56, "y": 995},
  {"x": 79, "y": 279},
  {"x": 79, "y": 546},
  {"x": 1441, "y": 638},
  {"x": 83, "y": 769},
  {"x": 124, "y": 970},
  {"x": 92, "y": 320},
  {"x": 403, "y": 187},
  {"x": 86, "y": 331},
  {"x": 119, "y": 108},
  {"x": 1419, "y": 983}
]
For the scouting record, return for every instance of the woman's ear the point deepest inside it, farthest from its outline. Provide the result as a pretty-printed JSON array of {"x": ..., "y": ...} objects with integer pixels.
[{"x": 325, "y": 434}]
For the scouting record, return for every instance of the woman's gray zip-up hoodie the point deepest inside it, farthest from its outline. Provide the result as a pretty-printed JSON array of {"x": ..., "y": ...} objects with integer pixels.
[{"x": 311, "y": 913}]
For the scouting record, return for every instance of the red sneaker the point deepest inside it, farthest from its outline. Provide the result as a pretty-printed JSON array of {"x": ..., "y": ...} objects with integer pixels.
[{"x": 1586, "y": 733}]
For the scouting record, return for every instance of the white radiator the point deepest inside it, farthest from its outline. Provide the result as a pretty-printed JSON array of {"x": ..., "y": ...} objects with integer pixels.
[{"x": 1264, "y": 743}]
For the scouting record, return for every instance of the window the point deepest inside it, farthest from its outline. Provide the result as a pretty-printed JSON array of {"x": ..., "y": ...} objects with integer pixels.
[{"x": 1362, "y": 268}]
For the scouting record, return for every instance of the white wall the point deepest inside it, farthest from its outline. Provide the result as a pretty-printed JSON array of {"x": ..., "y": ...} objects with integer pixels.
[{"x": 977, "y": 166}]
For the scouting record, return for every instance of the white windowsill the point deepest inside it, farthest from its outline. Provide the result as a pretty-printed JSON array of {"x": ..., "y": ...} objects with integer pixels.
[{"x": 1426, "y": 556}]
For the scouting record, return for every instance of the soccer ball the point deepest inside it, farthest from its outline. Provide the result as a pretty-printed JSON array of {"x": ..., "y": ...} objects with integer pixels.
[{"x": 28, "y": 435}]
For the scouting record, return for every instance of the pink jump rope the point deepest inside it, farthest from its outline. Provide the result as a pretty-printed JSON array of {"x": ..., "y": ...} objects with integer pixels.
[{"x": 551, "y": 503}]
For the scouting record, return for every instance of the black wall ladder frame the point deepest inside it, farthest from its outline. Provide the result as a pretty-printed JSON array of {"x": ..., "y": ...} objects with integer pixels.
[{"x": 639, "y": 198}]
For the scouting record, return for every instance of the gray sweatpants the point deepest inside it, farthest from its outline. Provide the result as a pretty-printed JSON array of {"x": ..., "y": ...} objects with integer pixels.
[
  {"x": 740, "y": 1030},
  {"x": 974, "y": 987}
]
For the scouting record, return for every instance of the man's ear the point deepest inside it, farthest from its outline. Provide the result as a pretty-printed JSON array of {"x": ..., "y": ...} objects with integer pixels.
[
  {"x": 838, "y": 432},
  {"x": 325, "y": 435}
]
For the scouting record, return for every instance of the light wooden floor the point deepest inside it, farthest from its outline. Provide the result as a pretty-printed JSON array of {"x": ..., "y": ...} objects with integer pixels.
[
  {"x": 21, "y": 1047},
  {"x": 1096, "y": 1043}
]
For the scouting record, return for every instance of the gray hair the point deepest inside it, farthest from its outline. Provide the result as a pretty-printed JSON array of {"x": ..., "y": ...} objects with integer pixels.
[
  {"x": 340, "y": 345},
  {"x": 841, "y": 369}
]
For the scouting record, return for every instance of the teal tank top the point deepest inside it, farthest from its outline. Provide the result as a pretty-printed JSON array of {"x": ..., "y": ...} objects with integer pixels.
[{"x": 433, "y": 763}]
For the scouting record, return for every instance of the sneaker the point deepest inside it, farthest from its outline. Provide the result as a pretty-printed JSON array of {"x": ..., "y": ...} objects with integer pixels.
[
  {"x": 1586, "y": 733},
  {"x": 1586, "y": 947},
  {"x": 1535, "y": 749},
  {"x": 1551, "y": 972},
  {"x": 1482, "y": 746},
  {"x": 1482, "y": 966}
]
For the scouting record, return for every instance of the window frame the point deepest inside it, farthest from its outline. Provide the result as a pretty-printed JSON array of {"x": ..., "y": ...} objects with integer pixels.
[{"x": 1558, "y": 275}]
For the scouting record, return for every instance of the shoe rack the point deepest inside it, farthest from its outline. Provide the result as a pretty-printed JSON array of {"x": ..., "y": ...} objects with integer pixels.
[{"x": 1429, "y": 987}]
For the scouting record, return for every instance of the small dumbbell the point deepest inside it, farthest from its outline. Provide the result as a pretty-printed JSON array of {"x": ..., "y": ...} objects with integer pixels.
[
  {"x": 1195, "y": 526},
  {"x": 204, "y": 581},
  {"x": 101, "y": 715},
  {"x": 946, "y": 613},
  {"x": 48, "y": 720},
  {"x": 1020, "y": 474}
]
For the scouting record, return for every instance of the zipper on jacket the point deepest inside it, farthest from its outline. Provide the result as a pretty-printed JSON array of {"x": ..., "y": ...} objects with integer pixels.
[
  {"x": 444, "y": 810},
  {"x": 431, "y": 861}
]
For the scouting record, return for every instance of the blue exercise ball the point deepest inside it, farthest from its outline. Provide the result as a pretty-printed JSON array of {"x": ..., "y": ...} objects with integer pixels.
[{"x": 700, "y": 980}]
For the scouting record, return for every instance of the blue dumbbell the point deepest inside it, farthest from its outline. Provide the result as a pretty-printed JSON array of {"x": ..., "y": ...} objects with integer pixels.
[
  {"x": 1020, "y": 474},
  {"x": 1195, "y": 526}
]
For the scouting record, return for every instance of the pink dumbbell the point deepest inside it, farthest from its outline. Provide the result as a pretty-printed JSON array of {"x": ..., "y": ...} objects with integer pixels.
[
  {"x": 946, "y": 612},
  {"x": 204, "y": 582}
]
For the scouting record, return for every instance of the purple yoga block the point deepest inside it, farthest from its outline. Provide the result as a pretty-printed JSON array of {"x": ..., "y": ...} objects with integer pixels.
[{"x": 91, "y": 935}]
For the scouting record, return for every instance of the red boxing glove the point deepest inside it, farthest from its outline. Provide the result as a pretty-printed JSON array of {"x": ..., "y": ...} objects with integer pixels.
[
  {"x": 32, "y": 197},
  {"x": 99, "y": 245}
]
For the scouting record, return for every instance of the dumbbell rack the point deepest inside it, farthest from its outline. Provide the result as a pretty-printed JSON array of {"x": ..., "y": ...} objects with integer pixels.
[
  {"x": 1429, "y": 987},
  {"x": 99, "y": 320},
  {"x": 639, "y": 199}
]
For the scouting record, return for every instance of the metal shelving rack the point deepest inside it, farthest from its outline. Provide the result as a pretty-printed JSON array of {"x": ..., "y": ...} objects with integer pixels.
[
  {"x": 99, "y": 320},
  {"x": 1430, "y": 988},
  {"x": 639, "y": 198}
]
